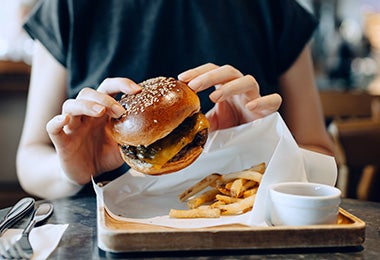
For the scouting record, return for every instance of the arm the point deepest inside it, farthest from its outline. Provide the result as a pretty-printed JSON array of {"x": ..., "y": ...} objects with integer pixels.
[
  {"x": 301, "y": 108},
  {"x": 66, "y": 141},
  {"x": 37, "y": 163}
]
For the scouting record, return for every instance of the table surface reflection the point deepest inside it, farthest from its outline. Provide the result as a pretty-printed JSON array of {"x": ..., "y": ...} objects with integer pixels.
[{"x": 80, "y": 239}]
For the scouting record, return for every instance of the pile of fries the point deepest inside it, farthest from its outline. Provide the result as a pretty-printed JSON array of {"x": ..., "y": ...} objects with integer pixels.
[{"x": 229, "y": 194}]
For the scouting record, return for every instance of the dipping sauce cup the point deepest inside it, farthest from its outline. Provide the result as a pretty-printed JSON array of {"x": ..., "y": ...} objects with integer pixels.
[{"x": 303, "y": 203}]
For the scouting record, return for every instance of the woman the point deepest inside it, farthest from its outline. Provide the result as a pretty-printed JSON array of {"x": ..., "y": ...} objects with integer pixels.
[{"x": 87, "y": 53}]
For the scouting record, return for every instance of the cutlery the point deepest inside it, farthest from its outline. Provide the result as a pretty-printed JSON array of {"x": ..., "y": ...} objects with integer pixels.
[
  {"x": 22, "y": 248},
  {"x": 18, "y": 211}
]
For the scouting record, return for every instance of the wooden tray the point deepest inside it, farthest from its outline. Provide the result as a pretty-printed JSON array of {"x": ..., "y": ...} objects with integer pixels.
[{"x": 117, "y": 236}]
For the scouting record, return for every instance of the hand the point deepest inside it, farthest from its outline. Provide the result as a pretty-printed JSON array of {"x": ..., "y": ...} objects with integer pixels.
[
  {"x": 80, "y": 135},
  {"x": 237, "y": 97}
]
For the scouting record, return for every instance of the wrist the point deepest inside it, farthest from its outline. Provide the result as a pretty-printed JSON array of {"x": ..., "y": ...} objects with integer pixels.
[{"x": 68, "y": 180}]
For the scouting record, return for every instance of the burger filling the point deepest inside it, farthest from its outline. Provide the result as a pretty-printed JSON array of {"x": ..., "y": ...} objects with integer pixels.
[{"x": 192, "y": 132}]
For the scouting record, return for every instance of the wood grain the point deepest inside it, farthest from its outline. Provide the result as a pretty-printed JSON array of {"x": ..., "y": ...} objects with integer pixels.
[{"x": 118, "y": 236}]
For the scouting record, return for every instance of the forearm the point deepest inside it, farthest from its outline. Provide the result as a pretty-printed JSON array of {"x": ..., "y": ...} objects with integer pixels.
[
  {"x": 40, "y": 174},
  {"x": 301, "y": 107}
]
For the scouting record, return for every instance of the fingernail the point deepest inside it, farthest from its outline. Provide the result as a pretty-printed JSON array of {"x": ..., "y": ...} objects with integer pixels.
[
  {"x": 265, "y": 112},
  {"x": 184, "y": 76},
  {"x": 252, "y": 106},
  {"x": 118, "y": 110},
  {"x": 97, "y": 108},
  {"x": 194, "y": 85},
  {"x": 131, "y": 89},
  {"x": 136, "y": 88},
  {"x": 216, "y": 95},
  {"x": 61, "y": 118}
]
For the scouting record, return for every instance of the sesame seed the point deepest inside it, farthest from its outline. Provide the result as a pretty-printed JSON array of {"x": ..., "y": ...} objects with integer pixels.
[{"x": 152, "y": 90}]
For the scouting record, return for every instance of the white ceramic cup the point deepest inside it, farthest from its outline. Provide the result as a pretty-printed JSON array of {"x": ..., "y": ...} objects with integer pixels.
[{"x": 303, "y": 203}]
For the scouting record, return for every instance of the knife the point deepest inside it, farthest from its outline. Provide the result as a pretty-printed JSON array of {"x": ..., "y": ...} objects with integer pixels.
[{"x": 18, "y": 211}]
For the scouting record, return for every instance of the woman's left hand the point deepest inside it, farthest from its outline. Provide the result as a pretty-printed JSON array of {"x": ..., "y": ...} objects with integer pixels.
[{"x": 237, "y": 97}]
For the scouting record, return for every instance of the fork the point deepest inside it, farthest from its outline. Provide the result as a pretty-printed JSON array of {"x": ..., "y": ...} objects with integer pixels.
[{"x": 22, "y": 248}]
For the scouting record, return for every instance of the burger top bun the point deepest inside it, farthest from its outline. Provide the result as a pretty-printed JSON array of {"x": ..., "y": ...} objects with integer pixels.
[{"x": 162, "y": 105}]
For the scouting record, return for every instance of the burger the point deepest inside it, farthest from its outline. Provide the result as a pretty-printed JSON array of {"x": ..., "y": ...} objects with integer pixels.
[{"x": 162, "y": 130}]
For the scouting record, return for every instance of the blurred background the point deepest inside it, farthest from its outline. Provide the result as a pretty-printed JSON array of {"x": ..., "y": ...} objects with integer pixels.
[{"x": 346, "y": 50}]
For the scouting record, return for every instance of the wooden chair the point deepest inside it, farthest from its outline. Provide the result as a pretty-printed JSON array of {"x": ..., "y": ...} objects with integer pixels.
[
  {"x": 338, "y": 105},
  {"x": 358, "y": 151},
  {"x": 351, "y": 116}
]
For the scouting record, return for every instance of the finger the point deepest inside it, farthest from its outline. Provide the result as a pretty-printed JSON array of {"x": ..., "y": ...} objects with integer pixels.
[
  {"x": 190, "y": 74},
  {"x": 212, "y": 118},
  {"x": 78, "y": 107},
  {"x": 95, "y": 103},
  {"x": 63, "y": 124},
  {"x": 265, "y": 105},
  {"x": 56, "y": 124},
  {"x": 74, "y": 123},
  {"x": 244, "y": 85},
  {"x": 112, "y": 86},
  {"x": 214, "y": 77}
]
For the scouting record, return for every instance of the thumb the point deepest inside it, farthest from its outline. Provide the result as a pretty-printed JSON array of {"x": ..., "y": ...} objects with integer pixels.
[{"x": 212, "y": 119}]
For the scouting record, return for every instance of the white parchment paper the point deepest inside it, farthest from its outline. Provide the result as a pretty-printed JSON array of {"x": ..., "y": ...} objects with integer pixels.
[{"x": 147, "y": 199}]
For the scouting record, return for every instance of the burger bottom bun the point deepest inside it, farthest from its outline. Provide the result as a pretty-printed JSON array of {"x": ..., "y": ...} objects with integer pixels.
[{"x": 171, "y": 166}]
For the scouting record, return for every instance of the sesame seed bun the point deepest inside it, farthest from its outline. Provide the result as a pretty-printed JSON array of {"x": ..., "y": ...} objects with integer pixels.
[{"x": 158, "y": 118}]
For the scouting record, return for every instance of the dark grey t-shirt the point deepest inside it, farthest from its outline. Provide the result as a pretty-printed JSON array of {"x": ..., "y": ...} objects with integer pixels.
[{"x": 140, "y": 39}]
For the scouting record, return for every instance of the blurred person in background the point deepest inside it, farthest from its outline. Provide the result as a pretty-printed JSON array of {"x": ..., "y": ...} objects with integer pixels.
[{"x": 245, "y": 59}]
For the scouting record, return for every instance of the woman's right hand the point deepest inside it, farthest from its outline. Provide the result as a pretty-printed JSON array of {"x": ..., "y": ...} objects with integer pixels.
[{"x": 82, "y": 140}]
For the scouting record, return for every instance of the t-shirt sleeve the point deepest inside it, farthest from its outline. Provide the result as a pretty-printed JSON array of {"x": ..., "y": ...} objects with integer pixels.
[
  {"x": 294, "y": 29},
  {"x": 49, "y": 24}
]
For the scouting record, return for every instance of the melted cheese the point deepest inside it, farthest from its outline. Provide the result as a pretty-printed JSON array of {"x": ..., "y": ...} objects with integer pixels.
[{"x": 170, "y": 146}]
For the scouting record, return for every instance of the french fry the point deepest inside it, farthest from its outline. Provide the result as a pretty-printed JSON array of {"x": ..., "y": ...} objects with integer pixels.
[
  {"x": 222, "y": 189},
  {"x": 250, "y": 192},
  {"x": 205, "y": 197},
  {"x": 199, "y": 186},
  {"x": 228, "y": 185},
  {"x": 238, "y": 207},
  {"x": 195, "y": 213},
  {"x": 260, "y": 168},
  {"x": 226, "y": 199},
  {"x": 246, "y": 174},
  {"x": 230, "y": 194},
  {"x": 237, "y": 187},
  {"x": 217, "y": 203},
  {"x": 253, "y": 173},
  {"x": 249, "y": 184}
]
